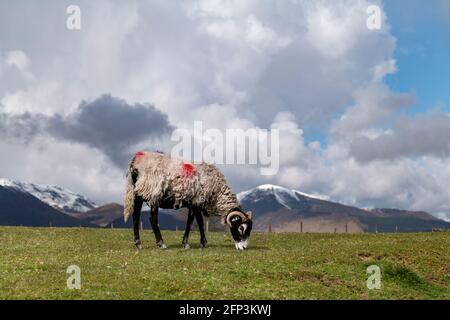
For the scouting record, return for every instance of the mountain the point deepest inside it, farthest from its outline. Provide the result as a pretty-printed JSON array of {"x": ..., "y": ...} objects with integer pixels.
[
  {"x": 167, "y": 219},
  {"x": 292, "y": 211},
  {"x": 102, "y": 216},
  {"x": 56, "y": 197},
  {"x": 386, "y": 212},
  {"x": 21, "y": 208}
]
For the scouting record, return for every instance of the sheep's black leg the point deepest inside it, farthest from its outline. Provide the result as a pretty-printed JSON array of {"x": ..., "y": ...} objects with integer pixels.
[
  {"x": 190, "y": 219},
  {"x": 136, "y": 219},
  {"x": 199, "y": 218},
  {"x": 155, "y": 227}
]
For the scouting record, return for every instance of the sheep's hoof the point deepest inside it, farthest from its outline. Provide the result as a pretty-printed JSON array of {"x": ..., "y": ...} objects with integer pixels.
[
  {"x": 185, "y": 245},
  {"x": 204, "y": 244},
  {"x": 161, "y": 245},
  {"x": 138, "y": 245}
]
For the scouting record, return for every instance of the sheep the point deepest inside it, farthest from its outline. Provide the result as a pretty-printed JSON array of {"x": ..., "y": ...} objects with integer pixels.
[{"x": 167, "y": 182}]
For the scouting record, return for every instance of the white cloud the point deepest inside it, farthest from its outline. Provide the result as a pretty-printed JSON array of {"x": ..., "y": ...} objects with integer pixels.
[
  {"x": 374, "y": 104},
  {"x": 18, "y": 59},
  {"x": 383, "y": 69},
  {"x": 427, "y": 134},
  {"x": 71, "y": 165},
  {"x": 333, "y": 31}
]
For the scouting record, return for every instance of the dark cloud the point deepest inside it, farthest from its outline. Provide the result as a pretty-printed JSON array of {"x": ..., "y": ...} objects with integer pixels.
[
  {"x": 108, "y": 124},
  {"x": 22, "y": 127},
  {"x": 423, "y": 135}
]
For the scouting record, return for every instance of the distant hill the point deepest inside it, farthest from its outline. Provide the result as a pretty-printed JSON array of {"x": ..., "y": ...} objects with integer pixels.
[
  {"x": 388, "y": 220},
  {"x": 386, "y": 212},
  {"x": 112, "y": 215},
  {"x": 290, "y": 210},
  {"x": 18, "y": 208},
  {"x": 102, "y": 216}
]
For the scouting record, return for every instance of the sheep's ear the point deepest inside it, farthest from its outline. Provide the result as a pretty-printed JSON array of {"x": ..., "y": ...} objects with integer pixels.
[{"x": 249, "y": 215}]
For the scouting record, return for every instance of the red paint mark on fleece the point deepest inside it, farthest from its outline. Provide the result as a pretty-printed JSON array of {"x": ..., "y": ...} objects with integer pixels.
[
  {"x": 138, "y": 155},
  {"x": 188, "y": 169}
]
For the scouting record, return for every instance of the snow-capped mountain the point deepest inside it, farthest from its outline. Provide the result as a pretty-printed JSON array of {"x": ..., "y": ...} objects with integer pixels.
[
  {"x": 288, "y": 198},
  {"x": 54, "y": 196},
  {"x": 291, "y": 210}
]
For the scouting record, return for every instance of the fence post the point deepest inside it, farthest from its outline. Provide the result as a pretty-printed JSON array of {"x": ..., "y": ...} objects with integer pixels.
[
  {"x": 301, "y": 226},
  {"x": 335, "y": 230},
  {"x": 346, "y": 228},
  {"x": 176, "y": 228},
  {"x": 207, "y": 226},
  {"x": 270, "y": 227},
  {"x": 112, "y": 225},
  {"x": 142, "y": 225},
  {"x": 376, "y": 228},
  {"x": 396, "y": 228}
]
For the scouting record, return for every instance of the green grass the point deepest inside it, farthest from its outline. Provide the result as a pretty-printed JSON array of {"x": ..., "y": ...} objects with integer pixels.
[{"x": 33, "y": 264}]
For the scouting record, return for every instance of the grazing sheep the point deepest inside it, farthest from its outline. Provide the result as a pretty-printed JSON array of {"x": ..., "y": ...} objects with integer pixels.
[{"x": 170, "y": 183}]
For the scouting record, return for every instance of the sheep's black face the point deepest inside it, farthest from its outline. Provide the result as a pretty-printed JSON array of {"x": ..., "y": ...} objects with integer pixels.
[{"x": 241, "y": 227}]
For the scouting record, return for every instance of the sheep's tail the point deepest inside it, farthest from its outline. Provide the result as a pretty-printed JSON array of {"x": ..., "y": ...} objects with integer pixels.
[{"x": 128, "y": 200}]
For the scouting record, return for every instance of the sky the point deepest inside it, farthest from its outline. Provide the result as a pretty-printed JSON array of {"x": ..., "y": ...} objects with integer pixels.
[
  {"x": 423, "y": 51},
  {"x": 363, "y": 114}
]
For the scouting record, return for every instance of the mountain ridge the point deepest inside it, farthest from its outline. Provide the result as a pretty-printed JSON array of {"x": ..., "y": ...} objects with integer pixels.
[
  {"x": 289, "y": 210},
  {"x": 55, "y": 196},
  {"x": 21, "y": 208}
]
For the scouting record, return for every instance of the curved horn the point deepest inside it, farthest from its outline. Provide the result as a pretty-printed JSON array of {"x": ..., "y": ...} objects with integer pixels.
[{"x": 235, "y": 213}]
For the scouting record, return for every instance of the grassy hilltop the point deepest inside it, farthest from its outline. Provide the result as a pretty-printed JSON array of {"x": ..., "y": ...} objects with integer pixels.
[{"x": 33, "y": 263}]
